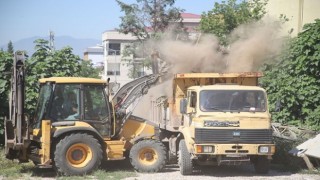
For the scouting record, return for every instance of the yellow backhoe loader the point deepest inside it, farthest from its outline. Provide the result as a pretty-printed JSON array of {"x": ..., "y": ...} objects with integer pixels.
[{"x": 76, "y": 125}]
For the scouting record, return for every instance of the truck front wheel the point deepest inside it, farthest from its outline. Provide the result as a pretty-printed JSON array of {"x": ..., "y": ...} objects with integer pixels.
[
  {"x": 185, "y": 161},
  {"x": 148, "y": 156},
  {"x": 77, "y": 154},
  {"x": 261, "y": 165}
]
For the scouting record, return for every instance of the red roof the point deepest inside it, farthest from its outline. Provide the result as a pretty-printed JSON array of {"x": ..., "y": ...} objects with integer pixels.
[{"x": 190, "y": 15}]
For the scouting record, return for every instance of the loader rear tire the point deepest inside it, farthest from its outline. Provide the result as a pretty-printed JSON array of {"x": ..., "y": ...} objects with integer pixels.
[
  {"x": 185, "y": 161},
  {"x": 148, "y": 156},
  {"x": 77, "y": 154}
]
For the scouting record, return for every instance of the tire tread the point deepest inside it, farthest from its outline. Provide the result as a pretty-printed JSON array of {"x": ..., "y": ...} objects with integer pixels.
[
  {"x": 156, "y": 145},
  {"x": 60, "y": 161}
]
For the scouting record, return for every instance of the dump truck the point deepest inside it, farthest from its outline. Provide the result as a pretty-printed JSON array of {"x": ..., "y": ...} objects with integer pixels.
[
  {"x": 215, "y": 119},
  {"x": 77, "y": 125}
]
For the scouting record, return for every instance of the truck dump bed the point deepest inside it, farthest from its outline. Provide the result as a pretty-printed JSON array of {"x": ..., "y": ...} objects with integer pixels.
[{"x": 166, "y": 110}]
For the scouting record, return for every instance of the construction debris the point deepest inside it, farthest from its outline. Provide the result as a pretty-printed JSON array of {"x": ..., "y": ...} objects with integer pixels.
[
  {"x": 291, "y": 132},
  {"x": 309, "y": 148}
]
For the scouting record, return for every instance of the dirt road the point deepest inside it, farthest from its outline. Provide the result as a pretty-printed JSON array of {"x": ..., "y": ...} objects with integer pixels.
[
  {"x": 121, "y": 169},
  {"x": 223, "y": 172}
]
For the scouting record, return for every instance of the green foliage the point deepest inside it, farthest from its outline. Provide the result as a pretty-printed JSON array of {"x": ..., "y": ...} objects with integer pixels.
[
  {"x": 15, "y": 170},
  {"x": 147, "y": 18},
  {"x": 44, "y": 63},
  {"x": 12, "y": 169},
  {"x": 10, "y": 48},
  {"x": 295, "y": 80},
  {"x": 6, "y": 60},
  {"x": 87, "y": 70},
  {"x": 228, "y": 15}
]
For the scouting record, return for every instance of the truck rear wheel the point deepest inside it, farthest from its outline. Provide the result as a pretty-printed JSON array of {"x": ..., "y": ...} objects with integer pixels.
[
  {"x": 262, "y": 165},
  {"x": 77, "y": 154},
  {"x": 185, "y": 161},
  {"x": 148, "y": 156}
]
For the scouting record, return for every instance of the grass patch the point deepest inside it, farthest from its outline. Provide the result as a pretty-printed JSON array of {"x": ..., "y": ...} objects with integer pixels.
[
  {"x": 102, "y": 174},
  {"x": 306, "y": 171},
  {"x": 13, "y": 169},
  {"x": 109, "y": 170}
]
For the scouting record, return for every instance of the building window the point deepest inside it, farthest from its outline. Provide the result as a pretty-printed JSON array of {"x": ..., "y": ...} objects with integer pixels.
[
  {"x": 114, "y": 49},
  {"x": 113, "y": 69}
]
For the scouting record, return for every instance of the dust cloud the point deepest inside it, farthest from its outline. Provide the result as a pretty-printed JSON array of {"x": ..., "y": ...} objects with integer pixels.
[
  {"x": 186, "y": 57},
  {"x": 255, "y": 43},
  {"x": 251, "y": 45},
  {"x": 144, "y": 109}
]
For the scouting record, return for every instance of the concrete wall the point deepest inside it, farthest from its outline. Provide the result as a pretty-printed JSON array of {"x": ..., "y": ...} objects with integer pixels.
[{"x": 299, "y": 12}]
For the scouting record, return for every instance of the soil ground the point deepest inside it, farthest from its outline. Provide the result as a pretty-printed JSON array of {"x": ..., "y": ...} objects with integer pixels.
[{"x": 246, "y": 172}]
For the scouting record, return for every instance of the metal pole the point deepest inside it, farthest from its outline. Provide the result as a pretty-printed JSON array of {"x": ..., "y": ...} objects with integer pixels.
[{"x": 115, "y": 62}]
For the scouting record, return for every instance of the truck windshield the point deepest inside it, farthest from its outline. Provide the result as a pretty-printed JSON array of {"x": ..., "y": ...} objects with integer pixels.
[
  {"x": 232, "y": 101},
  {"x": 44, "y": 97}
]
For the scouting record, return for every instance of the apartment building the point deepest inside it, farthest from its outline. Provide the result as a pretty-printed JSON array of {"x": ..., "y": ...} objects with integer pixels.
[
  {"x": 117, "y": 66},
  {"x": 95, "y": 55}
]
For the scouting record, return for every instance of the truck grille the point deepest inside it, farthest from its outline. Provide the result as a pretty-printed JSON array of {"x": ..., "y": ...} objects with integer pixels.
[{"x": 249, "y": 136}]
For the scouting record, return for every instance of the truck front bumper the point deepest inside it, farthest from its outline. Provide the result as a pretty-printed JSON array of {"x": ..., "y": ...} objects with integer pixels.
[{"x": 229, "y": 149}]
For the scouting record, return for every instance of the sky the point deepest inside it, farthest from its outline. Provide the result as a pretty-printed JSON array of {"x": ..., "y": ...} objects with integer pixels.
[{"x": 76, "y": 18}]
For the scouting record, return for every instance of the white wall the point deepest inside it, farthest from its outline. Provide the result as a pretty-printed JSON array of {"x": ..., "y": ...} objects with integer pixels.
[
  {"x": 299, "y": 12},
  {"x": 96, "y": 58}
]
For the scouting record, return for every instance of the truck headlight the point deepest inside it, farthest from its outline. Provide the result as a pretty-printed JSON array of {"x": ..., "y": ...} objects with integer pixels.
[
  {"x": 264, "y": 149},
  {"x": 207, "y": 149},
  {"x": 204, "y": 149}
]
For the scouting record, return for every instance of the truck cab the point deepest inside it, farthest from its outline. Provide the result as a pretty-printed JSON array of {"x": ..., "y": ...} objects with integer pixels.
[
  {"x": 70, "y": 99},
  {"x": 227, "y": 124}
]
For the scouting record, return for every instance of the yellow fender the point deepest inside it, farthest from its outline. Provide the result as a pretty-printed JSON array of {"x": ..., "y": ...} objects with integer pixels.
[{"x": 187, "y": 136}]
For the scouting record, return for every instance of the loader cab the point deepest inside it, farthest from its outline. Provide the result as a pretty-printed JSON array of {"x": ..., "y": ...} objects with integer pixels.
[{"x": 65, "y": 100}]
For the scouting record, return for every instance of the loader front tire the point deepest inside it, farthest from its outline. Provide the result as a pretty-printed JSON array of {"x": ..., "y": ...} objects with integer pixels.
[
  {"x": 185, "y": 161},
  {"x": 77, "y": 154},
  {"x": 148, "y": 156}
]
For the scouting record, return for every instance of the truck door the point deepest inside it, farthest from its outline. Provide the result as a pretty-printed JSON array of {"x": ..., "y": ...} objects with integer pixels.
[
  {"x": 191, "y": 107},
  {"x": 96, "y": 110}
]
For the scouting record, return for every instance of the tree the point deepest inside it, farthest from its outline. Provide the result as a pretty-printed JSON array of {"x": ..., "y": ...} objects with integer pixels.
[
  {"x": 87, "y": 70},
  {"x": 6, "y": 62},
  {"x": 228, "y": 15},
  {"x": 44, "y": 63},
  {"x": 294, "y": 79},
  {"x": 10, "y": 48},
  {"x": 147, "y": 18}
]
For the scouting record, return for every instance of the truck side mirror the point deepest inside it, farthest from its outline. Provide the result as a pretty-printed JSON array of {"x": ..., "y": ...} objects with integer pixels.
[{"x": 183, "y": 106}]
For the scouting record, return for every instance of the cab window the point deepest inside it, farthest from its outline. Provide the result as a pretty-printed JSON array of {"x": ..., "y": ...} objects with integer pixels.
[
  {"x": 95, "y": 104},
  {"x": 65, "y": 102}
]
